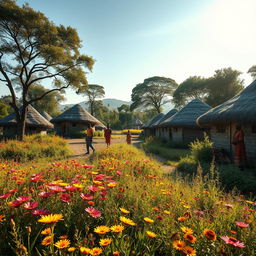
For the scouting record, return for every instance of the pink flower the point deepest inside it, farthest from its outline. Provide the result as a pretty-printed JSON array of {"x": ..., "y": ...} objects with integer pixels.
[
  {"x": 196, "y": 198},
  {"x": 70, "y": 188},
  {"x": 241, "y": 224},
  {"x": 198, "y": 212},
  {"x": 40, "y": 212},
  {"x": 12, "y": 191},
  {"x": 93, "y": 212},
  {"x": 5, "y": 196},
  {"x": 87, "y": 166},
  {"x": 45, "y": 194},
  {"x": 36, "y": 177},
  {"x": 99, "y": 177},
  {"x": 86, "y": 196},
  {"x": 23, "y": 198},
  {"x": 57, "y": 189},
  {"x": 93, "y": 189},
  {"x": 229, "y": 205},
  {"x": 30, "y": 205},
  {"x": 233, "y": 241},
  {"x": 118, "y": 172},
  {"x": 65, "y": 197}
]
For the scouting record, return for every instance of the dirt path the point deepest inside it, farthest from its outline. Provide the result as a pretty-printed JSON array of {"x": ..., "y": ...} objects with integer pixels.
[{"x": 78, "y": 147}]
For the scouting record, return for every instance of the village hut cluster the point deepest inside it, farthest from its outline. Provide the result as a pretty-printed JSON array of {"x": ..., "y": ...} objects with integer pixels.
[
  {"x": 72, "y": 121},
  {"x": 196, "y": 118}
]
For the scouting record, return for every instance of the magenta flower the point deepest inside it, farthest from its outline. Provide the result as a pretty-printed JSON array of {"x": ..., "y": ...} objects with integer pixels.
[
  {"x": 30, "y": 205},
  {"x": 242, "y": 224},
  {"x": 5, "y": 196},
  {"x": 93, "y": 189},
  {"x": 93, "y": 212},
  {"x": 86, "y": 196},
  {"x": 70, "y": 188},
  {"x": 87, "y": 166},
  {"x": 65, "y": 197},
  {"x": 12, "y": 191},
  {"x": 233, "y": 241},
  {"x": 45, "y": 194},
  {"x": 57, "y": 189},
  {"x": 40, "y": 212},
  {"x": 99, "y": 177},
  {"x": 36, "y": 177}
]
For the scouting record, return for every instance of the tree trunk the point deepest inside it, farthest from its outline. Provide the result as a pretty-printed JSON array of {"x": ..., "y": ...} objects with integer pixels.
[{"x": 21, "y": 123}]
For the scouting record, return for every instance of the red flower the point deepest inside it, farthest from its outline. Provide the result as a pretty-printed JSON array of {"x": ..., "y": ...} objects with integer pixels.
[
  {"x": 70, "y": 188},
  {"x": 93, "y": 189},
  {"x": 40, "y": 212},
  {"x": 36, "y": 177},
  {"x": 45, "y": 194},
  {"x": 57, "y": 189},
  {"x": 5, "y": 196},
  {"x": 87, "y": 166},
  {"x": 13, "y": 190},
  {"x": 241, "y": 224},
  {"x": 233, "y": 241},
  {"x": 30, "y": 205},
  {"x": 93, "y": 212},
  {"x": 86, "y": 196},
  {"x": 65, "y": 198}
]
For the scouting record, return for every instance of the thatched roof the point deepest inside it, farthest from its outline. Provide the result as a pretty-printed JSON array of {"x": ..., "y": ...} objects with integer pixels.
[
  {"x": 34, "y": 119},
  {"x": 46, "y": 115},
  {"x": 152, "y": 121},
  {"x": 136, "y": 122},
  {"x": 165, "y": 117},
  {"x": 240, "y": 109},
  {"x": 187, "y": 116},
  {"x": 77, "y": 114}
]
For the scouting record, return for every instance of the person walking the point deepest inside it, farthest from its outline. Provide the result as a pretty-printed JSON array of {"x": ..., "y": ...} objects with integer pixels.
[
  {"x": 107, "y": 135},
  {"x": 238, "y": 142},
  {"x": 129, "y": 137},
  {"x": 89, "y": 135}
]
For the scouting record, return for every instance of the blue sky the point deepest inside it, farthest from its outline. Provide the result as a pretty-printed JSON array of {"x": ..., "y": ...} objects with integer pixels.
[{"x": 134, "y": 39}]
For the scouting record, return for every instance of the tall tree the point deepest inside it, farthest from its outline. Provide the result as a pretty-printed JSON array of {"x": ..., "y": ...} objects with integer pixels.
[
  {"x": 153, "y": 92},
  {"x": 193, "y": 87},
  {"x": 223, "y": 86},
  {"x": 252, "y": 72},
  {"x": 49, "y": 103},
  {"x": 33, "y": 49},
  {"x": 94, "y": 92}
]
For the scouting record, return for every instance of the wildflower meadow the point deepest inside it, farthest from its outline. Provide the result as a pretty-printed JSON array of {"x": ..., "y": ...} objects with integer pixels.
[{"x": 121, "y": 203}]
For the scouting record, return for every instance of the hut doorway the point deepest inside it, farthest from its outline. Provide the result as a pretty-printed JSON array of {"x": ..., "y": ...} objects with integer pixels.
[{"x": 63, "y": 129}]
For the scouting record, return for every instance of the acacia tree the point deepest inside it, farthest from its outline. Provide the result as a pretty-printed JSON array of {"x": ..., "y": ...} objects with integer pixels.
[
  {"x": 192, "y": 88},
  {"x": 153, "y": 92},
  {"x": 93, "y": 93},
  {"x": 252, "y": 71},
  {"x": 33, "y": 49}
]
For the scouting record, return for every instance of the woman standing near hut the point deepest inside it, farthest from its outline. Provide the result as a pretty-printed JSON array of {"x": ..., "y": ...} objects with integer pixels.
[
  {"x": 129, "y": 137},
  {"x": 238, "y": 142},
  {"x": 107, "y": 135},
  {"x": 89, "y": 135}
]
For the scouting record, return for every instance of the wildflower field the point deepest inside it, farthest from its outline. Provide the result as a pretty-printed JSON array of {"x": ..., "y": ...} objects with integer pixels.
[{"x": 120, "y": 204}]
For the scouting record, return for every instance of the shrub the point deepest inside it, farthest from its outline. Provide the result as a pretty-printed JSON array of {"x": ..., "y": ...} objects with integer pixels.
[
  {"x": 187, "y": 165},
  {"x": 202, "y": 150}
]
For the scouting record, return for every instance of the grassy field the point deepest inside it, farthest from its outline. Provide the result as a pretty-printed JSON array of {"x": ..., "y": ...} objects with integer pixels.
[{"x": 121, "y": 204}]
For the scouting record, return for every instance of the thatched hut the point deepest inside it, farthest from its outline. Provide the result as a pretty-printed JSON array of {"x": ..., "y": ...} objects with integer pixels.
[
  {"x": 164, "y": 132},
  {"x": 136, "y": 124},
  {"x": 73, "y": 121},
  {"x": 35, "y": 123},
  {"x": 223, "y": 119},
  {"x": 183, "y": 124},
  {"x": 46, "y": 115},
  {"x": 149, "y": 130}
]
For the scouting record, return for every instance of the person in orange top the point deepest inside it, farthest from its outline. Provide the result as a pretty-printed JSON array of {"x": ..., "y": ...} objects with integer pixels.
[
  {"x": 238, "y": 142},
  {"x": 107, "y": 135},
  {"x": 89, "y": 135},
  {"x": 129, "y": 137}
]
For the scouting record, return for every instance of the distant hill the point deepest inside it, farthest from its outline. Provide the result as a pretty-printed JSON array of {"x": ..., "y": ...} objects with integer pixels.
[{"x": 114, "y": 104}]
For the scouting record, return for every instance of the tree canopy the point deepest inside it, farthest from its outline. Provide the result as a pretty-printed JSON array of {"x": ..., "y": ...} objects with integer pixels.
[
  {"x": 252, "y": 71},
  {"x": 33, "y": 49},
  {"x": 94, "y": 92},
  {"x": 153, "y": 93}
]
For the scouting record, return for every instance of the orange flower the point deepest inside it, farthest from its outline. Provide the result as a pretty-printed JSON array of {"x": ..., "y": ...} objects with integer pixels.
[
  {"x": 101, "y": 230},
  {"x": 46, "y": 231},
  {"x": 124, "y": 210},
  {"x": 62, "y": 244},
  {"x": 190, "y": 238},
  {"x": 85, "y": 250},
  {"x": 189, "y": 251},
  {"x": 51, "y": 218},
  {"x": 105, "y": 241},
  {"x": 187, "y": 230},
  {"x": 96, "y": 251},
  {"x": 117, "y": 228},
  {"x": 151, "y": 234},
  {"x": 178, "y": 244},
  {"x": 71, "y": 249},
  {"x": 127, "y": 221},
  {"x": 116, "y": 253},
  {"x": 148, "y": 220},
  {"x": 210, "y": 234},
  {"x": 47, "y": 240},
  {"x": 182, "y": 218}
]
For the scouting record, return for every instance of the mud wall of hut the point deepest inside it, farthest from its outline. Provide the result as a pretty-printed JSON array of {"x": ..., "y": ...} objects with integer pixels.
[
  {"x": 11, "y": 131},
  {"x": 250, "y": 142},
  {"x": 192, "y": 134},
  {"x": 69, "y": 129},
  {"x": 177, "y": 134}
]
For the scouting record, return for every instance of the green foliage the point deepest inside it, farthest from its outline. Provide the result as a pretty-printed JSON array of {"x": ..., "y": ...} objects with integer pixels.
[
  {"x": 252, "y": 71},
  {"x": 201, "y": 151},
  {"x": 187, "y": 165},
  {"x": 34, "y": 147},
  {"x": 153, "y": 92},
  {"x": 3, "y": 110}
]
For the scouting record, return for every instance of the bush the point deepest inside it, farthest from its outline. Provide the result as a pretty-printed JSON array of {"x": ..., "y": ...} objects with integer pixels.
[
  {"x": 202, "y": 150},
  {"x": 34, "y": 147},
  {"x": 187, "y": 165},
  {"x": 132, "y": 131}
]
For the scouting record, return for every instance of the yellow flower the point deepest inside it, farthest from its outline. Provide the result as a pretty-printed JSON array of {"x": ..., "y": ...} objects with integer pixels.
[
  {"x": 71, "y": 249},
  {"x": 117, "y": 228},
  {"x": 151, "y": 234},
  {"x": 101, "y": 230},
  {"x": 178, "y": 244},
  {"x": 85, "y": 250},
  {"x": 52, "y": 218},
  {"x": 63, "y": 243},
  {"x": 124, "y": 210},
  {"x": 79, "y": 186},
  {"x": 182, "y": 218},
  {"x": 148, "y": 220},
  {"x": 47, "y": 240},
  {"x": 127, "y": 221},
  {"x": 46, "y": 231},
  {"x": 187, "y": 230},
  {"x": 167, "y": 212},
  {"x": 96, "y": 251},
  {"x": 105, "y": 241},
  {"x": 189, "y": 251},
  {"x": 190, "y": 238}
]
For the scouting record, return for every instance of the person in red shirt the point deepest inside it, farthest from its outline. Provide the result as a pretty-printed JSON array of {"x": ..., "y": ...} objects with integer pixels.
[
  {"x": 129, "y": 137},
  {"x": 107, "y": 135},
  {"x": 238, "y": 142},
  {"x": 89, "y": 135}
]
